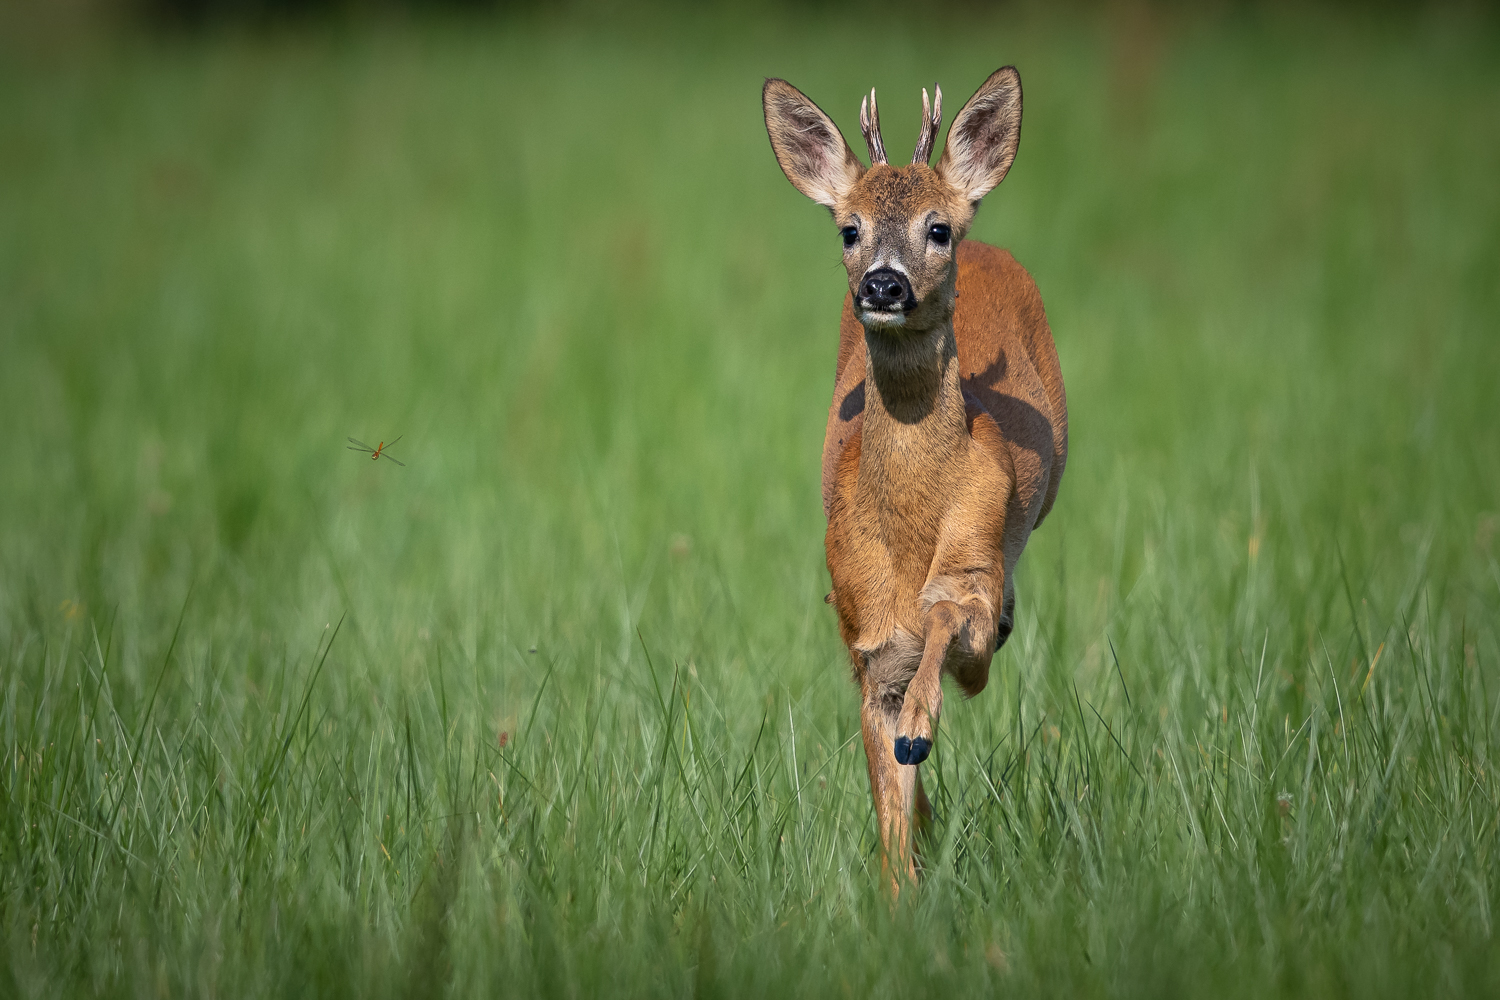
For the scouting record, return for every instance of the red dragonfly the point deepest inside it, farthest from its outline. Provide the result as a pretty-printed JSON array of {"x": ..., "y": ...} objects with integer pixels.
[{"x": 375, "y": 453}]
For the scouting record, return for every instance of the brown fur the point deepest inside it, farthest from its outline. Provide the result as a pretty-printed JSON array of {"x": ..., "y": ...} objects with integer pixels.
[{"x": 947, "y": 434}]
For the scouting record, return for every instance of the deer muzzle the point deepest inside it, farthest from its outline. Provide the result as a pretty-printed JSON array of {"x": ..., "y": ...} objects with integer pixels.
[{"x": 886, "y": 290}]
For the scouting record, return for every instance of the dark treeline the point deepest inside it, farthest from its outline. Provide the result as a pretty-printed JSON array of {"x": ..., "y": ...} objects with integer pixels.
[
  {"x": 199, "y": 12},
  {"x": 191, "y": 13}
]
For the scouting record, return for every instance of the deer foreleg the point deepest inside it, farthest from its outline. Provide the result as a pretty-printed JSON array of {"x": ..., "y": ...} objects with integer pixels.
[
  {"x": 961, "y": 639},
  {"x": 893, "y": 785}
]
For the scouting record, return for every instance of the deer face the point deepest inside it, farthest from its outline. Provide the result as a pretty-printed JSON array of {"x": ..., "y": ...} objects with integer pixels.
[
  {"x": 899, "y": 226},
  {"x": 900, "y": 229}
]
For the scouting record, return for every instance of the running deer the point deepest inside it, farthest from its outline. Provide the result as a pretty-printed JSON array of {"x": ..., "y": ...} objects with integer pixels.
[{"x": 948, "y": 430}]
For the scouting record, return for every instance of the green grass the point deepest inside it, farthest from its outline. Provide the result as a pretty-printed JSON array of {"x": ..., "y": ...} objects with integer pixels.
[{"x": 1241, "y": 743}]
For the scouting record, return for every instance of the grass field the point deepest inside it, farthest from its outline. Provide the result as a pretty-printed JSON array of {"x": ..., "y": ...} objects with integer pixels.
[{"x": 586, "y": 726}]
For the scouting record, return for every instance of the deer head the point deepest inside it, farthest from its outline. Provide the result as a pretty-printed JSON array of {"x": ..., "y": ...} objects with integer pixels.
[{"x": 900, "y": 226}]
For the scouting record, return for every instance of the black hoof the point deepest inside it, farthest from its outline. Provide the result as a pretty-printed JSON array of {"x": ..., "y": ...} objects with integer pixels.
[
  {"x": 912, "y": 751},
  {"x": 920, "y": 748},
  {"x": 1002, "y": 631}
]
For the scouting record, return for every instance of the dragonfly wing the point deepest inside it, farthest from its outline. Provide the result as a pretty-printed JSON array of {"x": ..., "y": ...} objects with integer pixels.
[
  {"x": 396, "y": 460},
  {"x": 361, "y": 445}
]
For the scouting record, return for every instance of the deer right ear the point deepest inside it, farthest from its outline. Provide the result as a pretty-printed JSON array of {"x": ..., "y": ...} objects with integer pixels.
[{"x": 808, "y": 145}]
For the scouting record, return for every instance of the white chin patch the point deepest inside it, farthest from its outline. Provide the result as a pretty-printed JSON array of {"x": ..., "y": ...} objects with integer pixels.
[{"x": 874, "y": 317}]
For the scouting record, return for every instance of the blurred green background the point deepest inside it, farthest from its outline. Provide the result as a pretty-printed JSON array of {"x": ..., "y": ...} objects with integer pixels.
[{"x": 586, "y": 726}]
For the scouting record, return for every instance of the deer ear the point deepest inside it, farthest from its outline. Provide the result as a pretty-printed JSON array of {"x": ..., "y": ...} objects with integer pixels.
[
  {"x": 982, "y": 142},
  {"x": 808, "y": 145}
]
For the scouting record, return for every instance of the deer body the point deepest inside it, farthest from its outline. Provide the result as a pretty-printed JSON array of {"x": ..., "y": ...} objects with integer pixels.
[{"x": 947, "y": 434}]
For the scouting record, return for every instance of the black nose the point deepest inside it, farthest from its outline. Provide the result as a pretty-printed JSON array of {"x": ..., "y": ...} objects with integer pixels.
[{"x": 885, "y": 289}]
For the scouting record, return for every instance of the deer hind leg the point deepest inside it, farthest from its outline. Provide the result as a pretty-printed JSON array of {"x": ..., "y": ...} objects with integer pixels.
[
  {"x": 922, "y": 817},
  {"x": 960, "y": 639},
  {"x": 893, "y": 785},
  {"x": 921, "y": 823}
]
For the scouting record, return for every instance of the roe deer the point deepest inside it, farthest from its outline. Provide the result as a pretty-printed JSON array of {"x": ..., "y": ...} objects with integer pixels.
[{"x": 948, "y": 430}]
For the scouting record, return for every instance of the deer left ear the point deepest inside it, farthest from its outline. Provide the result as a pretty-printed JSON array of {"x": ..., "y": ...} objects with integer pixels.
[{"x": 982, "y": 142}]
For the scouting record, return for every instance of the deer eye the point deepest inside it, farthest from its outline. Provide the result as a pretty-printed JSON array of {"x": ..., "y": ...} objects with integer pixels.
[
  {"x": 939, "y": 234},
  {"x": 850, "y": 235}
]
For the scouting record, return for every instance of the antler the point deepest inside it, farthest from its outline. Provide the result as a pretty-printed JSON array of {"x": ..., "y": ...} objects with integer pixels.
[
  {"x": 932, "y": 119},
  {"x": 869, "y": 124}
]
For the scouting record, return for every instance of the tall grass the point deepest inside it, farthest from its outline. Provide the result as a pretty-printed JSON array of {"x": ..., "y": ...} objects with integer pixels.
[{"x": 557, "y": 708}]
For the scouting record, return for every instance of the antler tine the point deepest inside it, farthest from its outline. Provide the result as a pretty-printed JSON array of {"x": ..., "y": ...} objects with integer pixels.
[
  {"x": 932, "y": 118},
  {"x": 924, "y": 135},
  {"x": 869, "y": 124}
]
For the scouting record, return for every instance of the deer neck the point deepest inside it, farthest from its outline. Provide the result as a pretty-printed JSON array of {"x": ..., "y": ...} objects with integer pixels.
[{"x": 914, "y": 423}]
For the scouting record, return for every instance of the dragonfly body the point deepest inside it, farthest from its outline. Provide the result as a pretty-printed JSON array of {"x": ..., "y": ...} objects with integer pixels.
[{"x": 376, "y": 453}]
